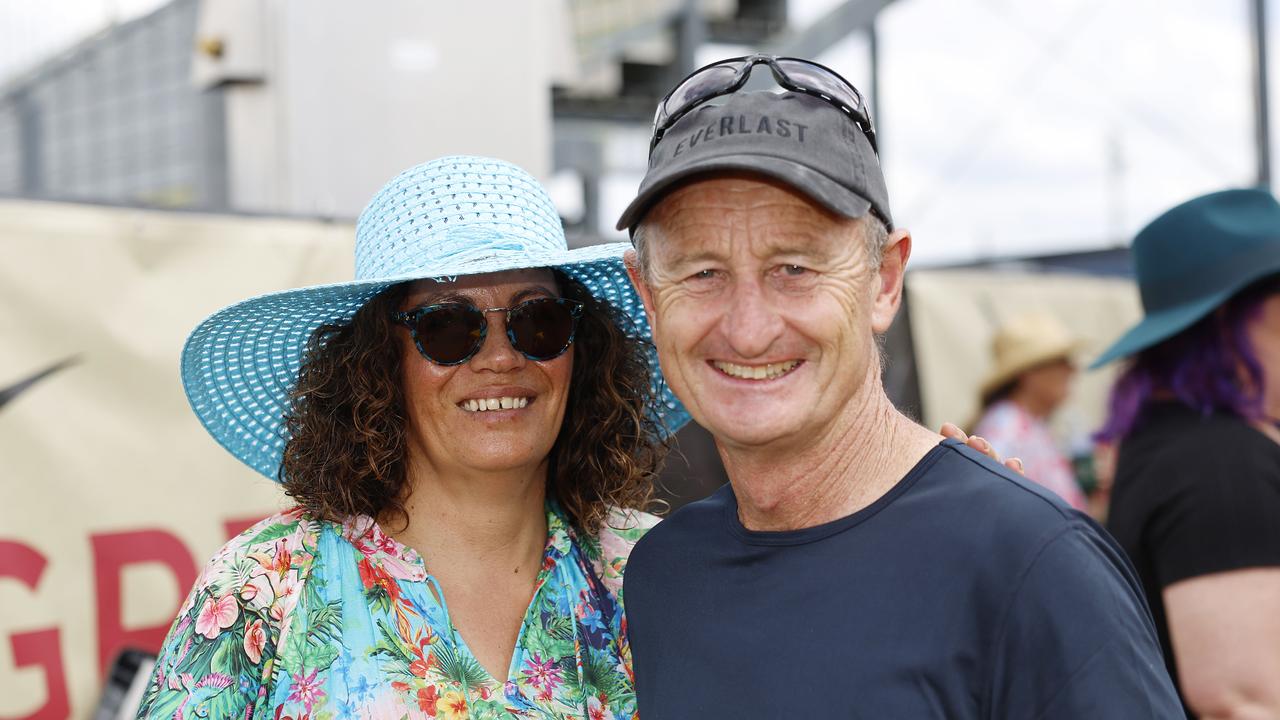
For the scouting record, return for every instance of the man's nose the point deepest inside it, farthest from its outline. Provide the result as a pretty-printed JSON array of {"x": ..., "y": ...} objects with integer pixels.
[{"x": 751, "y": 323}]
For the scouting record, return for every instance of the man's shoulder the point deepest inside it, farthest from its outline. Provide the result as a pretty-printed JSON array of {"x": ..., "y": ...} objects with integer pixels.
[
  {"x": 689, "y": 523},
  {"x": 966, "y": 483}
]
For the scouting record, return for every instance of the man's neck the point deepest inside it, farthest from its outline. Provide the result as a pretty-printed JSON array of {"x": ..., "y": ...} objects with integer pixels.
[{"x": 799, "y": 483}]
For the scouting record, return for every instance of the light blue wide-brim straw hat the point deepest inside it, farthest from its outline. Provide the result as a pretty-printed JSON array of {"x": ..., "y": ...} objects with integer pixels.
[{"x": 458, "y": 215}]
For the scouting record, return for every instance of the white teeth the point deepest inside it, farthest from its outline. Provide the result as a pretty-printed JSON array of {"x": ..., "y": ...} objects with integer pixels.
[
  {"x": 756, "y": 372},
  {"x": 503, "y": 403}
]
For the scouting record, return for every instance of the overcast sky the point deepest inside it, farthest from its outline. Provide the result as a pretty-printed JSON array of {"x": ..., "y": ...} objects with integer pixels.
[{"x": 1007, "y": 126}]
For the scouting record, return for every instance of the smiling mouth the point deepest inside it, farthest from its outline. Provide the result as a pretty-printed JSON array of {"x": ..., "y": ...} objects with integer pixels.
[
  {"x": 771, "y": 371},
  {"x": 498, "y": 403}
]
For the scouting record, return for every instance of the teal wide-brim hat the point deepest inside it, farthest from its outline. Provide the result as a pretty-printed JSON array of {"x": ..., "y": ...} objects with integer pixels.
[
  {"x": 1194, "y": 258},
  {"x": 457, "y": 215}
]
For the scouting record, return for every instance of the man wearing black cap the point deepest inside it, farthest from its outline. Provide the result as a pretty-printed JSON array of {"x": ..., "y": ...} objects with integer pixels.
[{"x": 857, "y": 565}]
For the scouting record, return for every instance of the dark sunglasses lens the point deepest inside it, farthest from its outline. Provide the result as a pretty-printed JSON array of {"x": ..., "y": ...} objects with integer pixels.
[
  {"x": 449, "y": 334},
  {"x": 541, "y": 329},
  {"x": 815, "y": 78},
  {"x": 706, "y": 84}
]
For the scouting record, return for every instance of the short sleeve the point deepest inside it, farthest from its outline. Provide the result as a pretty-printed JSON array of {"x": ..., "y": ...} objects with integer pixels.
[
  {"x": 1077, "y": 639},
  {"x": 217, "y": 658},
  {"x": 1223, "y": 514}
]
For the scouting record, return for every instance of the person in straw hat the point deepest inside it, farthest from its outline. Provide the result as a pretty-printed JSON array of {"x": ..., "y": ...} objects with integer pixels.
[
  {"x": 1196, "y": 414},
  {"x": 463, "y": 427},
  {"x": 1030, "y": 379}
]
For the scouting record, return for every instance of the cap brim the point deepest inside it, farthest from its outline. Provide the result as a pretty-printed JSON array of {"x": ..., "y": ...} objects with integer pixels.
[
  {"x": 1161, "y": 326},
  {"x": 830, "y": 194}
]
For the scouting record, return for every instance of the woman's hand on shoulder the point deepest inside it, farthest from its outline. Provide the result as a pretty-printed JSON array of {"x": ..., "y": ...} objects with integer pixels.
[{"x": 979, "y": 443}]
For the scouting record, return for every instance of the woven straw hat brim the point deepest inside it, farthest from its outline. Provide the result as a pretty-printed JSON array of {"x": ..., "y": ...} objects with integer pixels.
[
  {"x": 1065, "y": 349},
  {"x": 240, "y": 364}
]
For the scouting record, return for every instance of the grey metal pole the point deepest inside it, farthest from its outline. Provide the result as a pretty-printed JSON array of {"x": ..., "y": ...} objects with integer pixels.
[
  {"x": 873, "y": 49},
  {"x": 1262, "y": 131},
  {"x": 691, "y": 32}
]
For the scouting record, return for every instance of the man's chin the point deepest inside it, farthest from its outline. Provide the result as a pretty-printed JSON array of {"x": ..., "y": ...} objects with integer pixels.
[{"x": 752, "y": 432}]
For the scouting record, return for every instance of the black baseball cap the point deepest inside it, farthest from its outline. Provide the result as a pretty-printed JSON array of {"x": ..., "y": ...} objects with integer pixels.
[{"x": 795, "y": 138}]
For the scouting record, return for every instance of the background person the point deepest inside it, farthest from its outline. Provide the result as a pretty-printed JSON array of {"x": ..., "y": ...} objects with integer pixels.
[
  {"x": 1030, "y": 379},
  {"x": 471, "y": 416},
  {"x": 1196, "y": 499}
]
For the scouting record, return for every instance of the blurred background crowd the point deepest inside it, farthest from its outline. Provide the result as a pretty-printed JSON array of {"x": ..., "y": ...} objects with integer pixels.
[{"x": 160, "y": 159}]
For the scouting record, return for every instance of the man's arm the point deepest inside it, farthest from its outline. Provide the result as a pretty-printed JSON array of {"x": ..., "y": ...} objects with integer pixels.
[
  {"x": 1076, "y": 639},
  {"x": 1225, "y": 630}
]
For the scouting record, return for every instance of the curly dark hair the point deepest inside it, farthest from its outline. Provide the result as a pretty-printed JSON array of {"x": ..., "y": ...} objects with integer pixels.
[{"x": 346, "y": 450}]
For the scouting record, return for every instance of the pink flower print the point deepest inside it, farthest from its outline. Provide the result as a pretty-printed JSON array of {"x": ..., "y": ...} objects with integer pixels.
[
  {"x": 542, "y": 674},
  {"x": 215, "y": 616},
  {"x": 306, "y": 689},
  {"x": 386, "y": 544},
  {"x": 283, "y": 556},
  {"x": 255, "y": 639}
]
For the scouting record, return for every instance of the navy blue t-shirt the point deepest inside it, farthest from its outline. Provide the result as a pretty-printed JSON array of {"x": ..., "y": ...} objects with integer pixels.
[{"x": 965, "y": 592}]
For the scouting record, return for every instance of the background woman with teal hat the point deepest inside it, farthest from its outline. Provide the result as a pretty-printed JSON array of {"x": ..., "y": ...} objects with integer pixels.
[
  {"x": 1196, "y": 499},
  {"x": 464, "y": 429}
]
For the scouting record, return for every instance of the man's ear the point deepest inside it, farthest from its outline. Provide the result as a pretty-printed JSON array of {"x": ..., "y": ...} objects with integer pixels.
[
  {"x": 893, "y": 267},
  {"x": 632, "y": 262}
]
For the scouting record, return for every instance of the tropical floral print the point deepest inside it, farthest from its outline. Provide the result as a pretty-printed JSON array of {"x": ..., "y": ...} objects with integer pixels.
[{"x": 299, "y": 619}]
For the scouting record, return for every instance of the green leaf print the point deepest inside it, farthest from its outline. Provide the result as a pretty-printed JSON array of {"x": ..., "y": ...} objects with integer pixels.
[
  {"x": 273, "y": 532},
  {"x": 460, "y": 667},
  {"x": 538, "y": 640},
  {"x": 600, "y": 676},
  {"x": 560, "y": 627},
  {"x": 590, "y": 545},
  {"x": 324, "y": 623},
  {"x": 631, "y": 535},
  {"x": 478, "y": 709},
  {"x": 389, "y": 644},
  {"x": 226, "y": 703},
  {"x": 319, "y": 657}
]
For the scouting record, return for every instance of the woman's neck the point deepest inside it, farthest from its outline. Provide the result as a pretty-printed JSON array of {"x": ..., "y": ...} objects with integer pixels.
[{"x": 482, "y": 520}]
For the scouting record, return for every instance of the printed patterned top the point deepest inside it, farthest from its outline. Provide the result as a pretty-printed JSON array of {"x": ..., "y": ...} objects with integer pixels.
[
  {"x": 1017, "y": 433},
  {"x": 303, "y": 619}
]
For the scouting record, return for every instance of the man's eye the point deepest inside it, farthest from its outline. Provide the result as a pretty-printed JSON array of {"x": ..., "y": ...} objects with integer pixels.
[
  {"x": 794, "y": 270},
  {"x": 704, "y": 275}
]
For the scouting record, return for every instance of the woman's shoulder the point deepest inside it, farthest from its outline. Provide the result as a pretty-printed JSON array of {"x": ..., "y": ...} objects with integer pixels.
[
  {"x": 286, "y": 530},
  {"x": 623, "y": 528},
  {"x": 610, "y": 548},
  {"x": 264, "y": 564}
]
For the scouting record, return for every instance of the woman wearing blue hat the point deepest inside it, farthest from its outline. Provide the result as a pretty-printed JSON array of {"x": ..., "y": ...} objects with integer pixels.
[
  {"x": 1196, "y": 499},
  {"x": 460, "y": 427}
]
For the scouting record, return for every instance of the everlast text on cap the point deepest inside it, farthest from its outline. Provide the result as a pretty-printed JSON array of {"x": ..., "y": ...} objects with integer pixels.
[{"x": 741, "y": 125}]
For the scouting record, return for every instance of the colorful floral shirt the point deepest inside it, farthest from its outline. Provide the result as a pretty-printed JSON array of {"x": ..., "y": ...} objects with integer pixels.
[
  {"x": 298, "y": 618},
  {"x": 1017, "y": 433}
]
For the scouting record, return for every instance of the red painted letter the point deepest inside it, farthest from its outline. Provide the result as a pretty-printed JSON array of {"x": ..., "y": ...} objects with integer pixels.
[
  {"x": 111, "y": 553},
  {"x": 39, "y": 648},
  {"x": 236, "y": 526}
]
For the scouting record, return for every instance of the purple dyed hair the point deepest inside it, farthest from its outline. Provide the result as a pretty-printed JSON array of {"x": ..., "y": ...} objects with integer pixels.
[{"x": 1210, "y": 367}]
